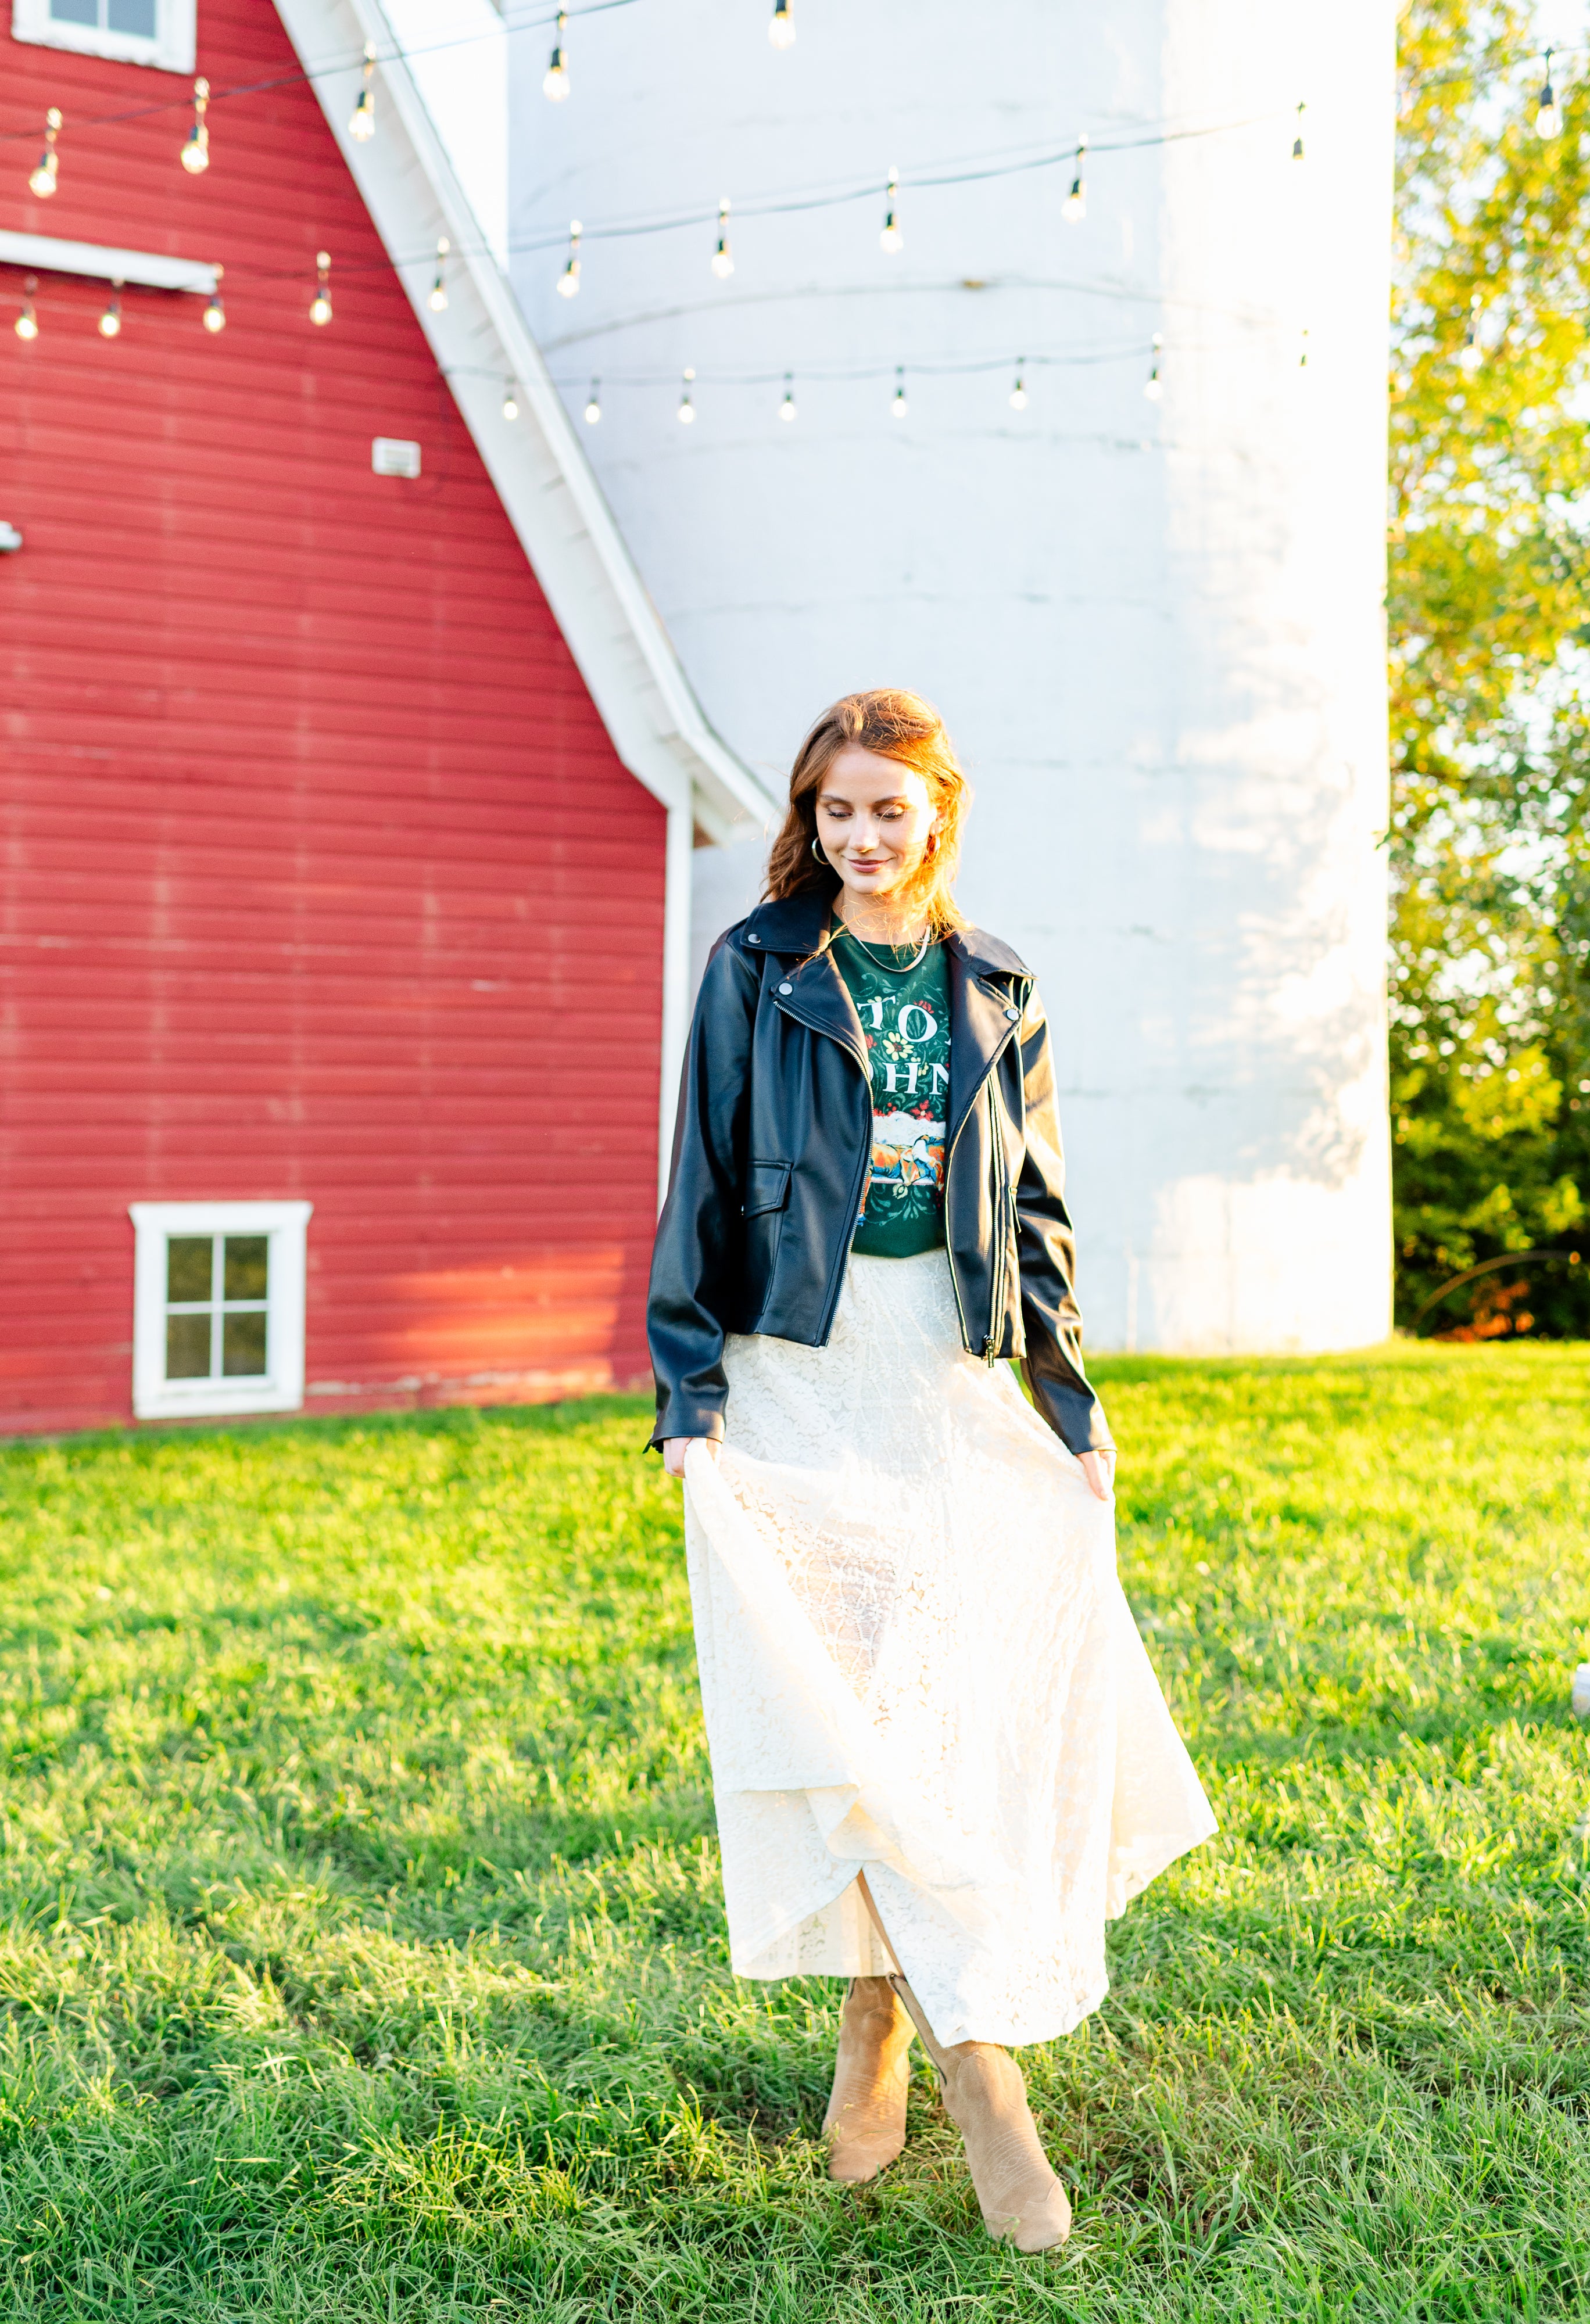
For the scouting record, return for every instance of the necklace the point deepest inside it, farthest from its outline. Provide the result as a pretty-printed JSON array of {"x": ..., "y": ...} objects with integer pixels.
[{"x": 891, "y": 967}]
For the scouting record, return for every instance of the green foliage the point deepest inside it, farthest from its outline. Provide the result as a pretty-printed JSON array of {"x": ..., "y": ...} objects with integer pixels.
[
  {"x": 1489, "y": 620},
  {"x": 361, "y": 1948}
]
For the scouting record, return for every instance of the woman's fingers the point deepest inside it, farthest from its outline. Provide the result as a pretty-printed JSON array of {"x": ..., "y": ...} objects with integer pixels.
[
  {"x": 1099, "y": 1469},
  {"x": 674, "y": 1449}
]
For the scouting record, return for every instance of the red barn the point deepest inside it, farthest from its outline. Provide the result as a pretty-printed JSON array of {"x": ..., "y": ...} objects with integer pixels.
[{"x": 349, "y": 781}]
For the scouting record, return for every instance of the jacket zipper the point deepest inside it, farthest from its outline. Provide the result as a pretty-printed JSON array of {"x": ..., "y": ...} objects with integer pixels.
[
  {"x": 831, "y": 1299},
  {"x": 1001, "y": 1204},
  {"x": 989, "y": 1343}
]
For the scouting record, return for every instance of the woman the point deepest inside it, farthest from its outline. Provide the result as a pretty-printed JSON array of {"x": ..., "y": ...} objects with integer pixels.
[{"x": 941, "y": 1760}]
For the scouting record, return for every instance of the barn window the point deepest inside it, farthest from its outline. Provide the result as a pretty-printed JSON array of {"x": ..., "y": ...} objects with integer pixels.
[
  {"x": 218, "y": 1307},
  {"x": 137, "y": 32}
]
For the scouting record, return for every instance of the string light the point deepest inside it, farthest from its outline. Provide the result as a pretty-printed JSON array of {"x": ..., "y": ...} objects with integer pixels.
[
  {"x": 555, "y": 87},
  {"x": 42, "y": 179},
  {"x": 1019, "y": 392},
  {"x": 1151, "y": 386},
  {"x": 196, "y": 151},
  {"x": 568, "y": 280},
  {"x": 593, "y": 411},
  {"x": 892, "y": 239},
  {"x": 26, "y": 325},
  {"x": 787, "y": 409},
  {"x": 687, "y": 410},
  {"x": 110, "y": 322},
  {"x": 723, "y": 262},
  {"x": 510, "y": 400},
  {"x": 900, "y": 406},
  {"x": 215, "y": 314},
  {"x": 362, "y": 120},
  {"x": 1548, "y": 115},
  {"x": 321, "y": 305},
  {"x": 438, "y": 300},
  {"x": 1297, "y": 140},
  {"x": 1074, "y": 208},
  {"x": 781, "y": 31}
]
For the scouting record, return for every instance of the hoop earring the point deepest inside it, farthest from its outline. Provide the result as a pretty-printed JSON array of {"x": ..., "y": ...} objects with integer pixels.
[{"x": 817, "y": 849}]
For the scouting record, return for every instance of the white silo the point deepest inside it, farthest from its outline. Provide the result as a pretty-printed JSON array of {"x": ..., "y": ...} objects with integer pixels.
[{"x": 1155, "y": 626}]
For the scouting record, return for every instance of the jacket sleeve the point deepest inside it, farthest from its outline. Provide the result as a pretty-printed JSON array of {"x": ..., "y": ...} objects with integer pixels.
[
  {"x": 695, "y": 1261},
  {"x": 1046, "y": 1250}
]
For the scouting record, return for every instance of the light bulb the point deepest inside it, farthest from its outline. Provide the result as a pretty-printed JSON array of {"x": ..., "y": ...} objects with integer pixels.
[
  {"x": 42, "y": 179},
  {"x": 27, "y": 323},
  {"x": 438, "y": 300},
  {"x": 556, "y": 84},
  {"x": 568, "y": 280},
  {"x": 196, "y": 151},
  {"x": 687, "y": 410},
  {"x": 722, "y": 263},
  {"x": 1074, "y": 208},
  {"x": 900, "y": 406},
  {"x": 1151, "y": 386},
  {"x": 1297, "y": 140},
  {"x": 510, "y": 402},
  {"x": 781, "y": 31},
  {"x": 1548, "y": 116},
  {"x": 787, "y": 409},
  {"x": 593, "y": 411},
  {"x": 362, "y": 120},
  {"x": 1019, "y": 395},
  {"x": 110, "y": 322},
  {"x": 215, "y": 314},
  {"x": 892, "y": 239},
  {"x": 320, "y": 306}
]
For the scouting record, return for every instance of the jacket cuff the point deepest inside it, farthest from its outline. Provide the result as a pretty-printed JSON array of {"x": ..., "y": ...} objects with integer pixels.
[
  {"x": 1076, "y": 1416},
  {"x": 679, "y": 1417}
]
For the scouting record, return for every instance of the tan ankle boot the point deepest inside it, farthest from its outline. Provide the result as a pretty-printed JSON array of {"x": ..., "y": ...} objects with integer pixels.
[
  {"x": 986, "y": 2097},
  {"x": 865, "y": 2120}
]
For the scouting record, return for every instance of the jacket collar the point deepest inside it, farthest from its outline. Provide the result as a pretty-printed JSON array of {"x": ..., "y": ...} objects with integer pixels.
[{"x": 799, "y": 923}]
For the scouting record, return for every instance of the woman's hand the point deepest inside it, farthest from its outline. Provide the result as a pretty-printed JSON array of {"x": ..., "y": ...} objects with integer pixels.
[
  {"x": 1099, "y": 1469},
  {"x": 674, "y": 1449}
]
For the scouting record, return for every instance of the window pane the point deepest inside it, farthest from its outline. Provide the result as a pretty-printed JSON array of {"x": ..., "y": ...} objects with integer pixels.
[
  {"x": 186, "y": 1347},
  {"x": 246, "y": 1264},
  {"x": 243, "y": 1345},
  {"x": 74, "y": 12},
  {"x": 133, "y": 16},
  {"x": 189, "y": 1261}
]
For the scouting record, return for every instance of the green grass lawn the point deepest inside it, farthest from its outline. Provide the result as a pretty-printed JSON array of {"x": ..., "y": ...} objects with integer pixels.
[{"x": 363, "y": 1955}]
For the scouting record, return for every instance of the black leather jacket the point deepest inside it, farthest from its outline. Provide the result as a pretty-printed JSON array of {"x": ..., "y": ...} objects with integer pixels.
[{"x": 773, "y": 1147}]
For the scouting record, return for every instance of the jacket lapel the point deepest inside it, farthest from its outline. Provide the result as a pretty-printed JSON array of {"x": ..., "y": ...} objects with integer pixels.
[
  {"x": 819, "y": 998},
  {"x": 982, "y": 1020}
]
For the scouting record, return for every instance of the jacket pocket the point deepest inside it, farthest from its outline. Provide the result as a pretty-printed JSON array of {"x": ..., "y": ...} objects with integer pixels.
[{"x": 767, "y": 1188}]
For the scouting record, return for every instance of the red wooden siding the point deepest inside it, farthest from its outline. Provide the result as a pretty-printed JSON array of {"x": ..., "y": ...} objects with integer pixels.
[{"x": 318, "y": 875}]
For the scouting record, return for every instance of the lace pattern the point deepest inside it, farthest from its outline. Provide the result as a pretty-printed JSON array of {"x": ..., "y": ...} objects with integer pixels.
[{"x": 916, "y": 1659}]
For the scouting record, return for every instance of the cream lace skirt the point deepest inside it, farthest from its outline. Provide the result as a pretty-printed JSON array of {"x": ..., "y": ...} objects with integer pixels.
[{"x": 916, "y": 1660}]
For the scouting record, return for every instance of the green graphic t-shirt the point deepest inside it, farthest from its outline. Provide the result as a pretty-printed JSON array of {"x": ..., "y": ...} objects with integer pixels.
[{"x": 904, "y": 1014}]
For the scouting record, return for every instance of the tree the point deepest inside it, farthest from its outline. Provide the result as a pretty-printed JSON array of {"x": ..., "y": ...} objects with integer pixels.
[{"x": 1489, "y": 615}]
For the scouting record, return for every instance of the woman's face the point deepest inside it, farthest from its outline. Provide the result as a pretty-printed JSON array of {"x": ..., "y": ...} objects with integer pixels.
[{"x": 873, "y": 818}]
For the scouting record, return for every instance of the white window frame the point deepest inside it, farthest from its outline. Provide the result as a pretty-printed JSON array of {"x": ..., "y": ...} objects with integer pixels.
[
  {"x": 286, "y": 1224},
  {"x": 171, "y": 48}
]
